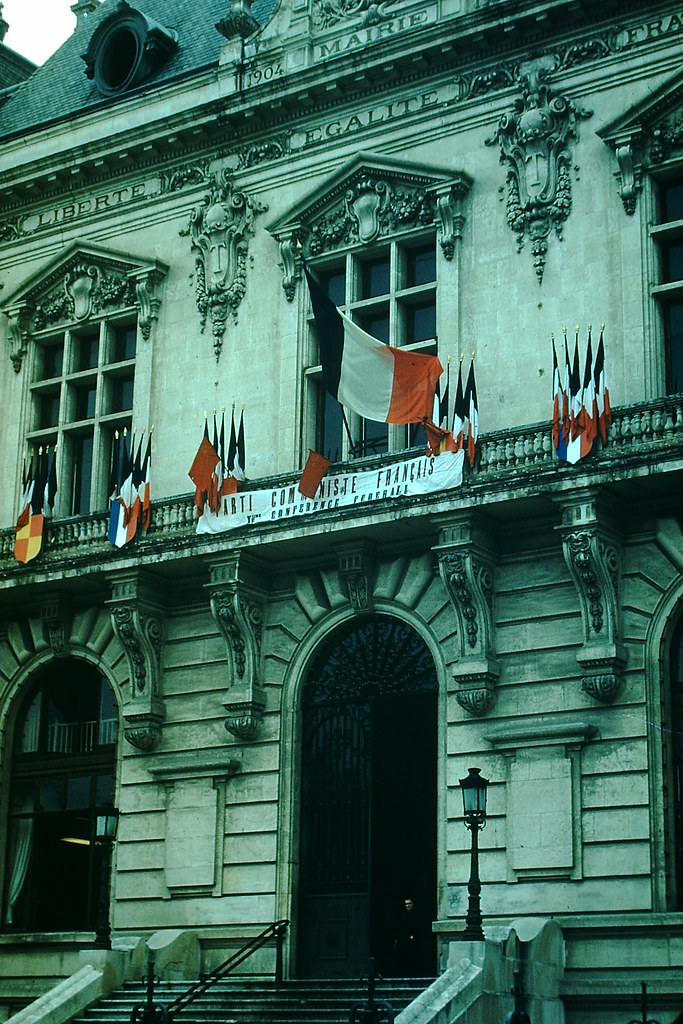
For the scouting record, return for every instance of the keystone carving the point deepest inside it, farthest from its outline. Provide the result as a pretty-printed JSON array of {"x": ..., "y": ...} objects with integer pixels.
[
  {"x": 136, "y": 618},
  {"x": 533, "y": 145},
  {"x": 237, "y": 606},
  {"x": 592, "y": 555},
  {"x": 53, "y": 615},
  {"x": 355, "y": 566},
  {"x": 466, "y": 566},
  {"x": 220, "y": 228}
]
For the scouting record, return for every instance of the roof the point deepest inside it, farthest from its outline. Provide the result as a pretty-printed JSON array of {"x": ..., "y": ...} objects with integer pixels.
[{"x": 59, "y": 88}]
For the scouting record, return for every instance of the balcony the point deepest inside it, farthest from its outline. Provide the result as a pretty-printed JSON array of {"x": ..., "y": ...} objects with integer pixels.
[{"x": 517, "y": 476}]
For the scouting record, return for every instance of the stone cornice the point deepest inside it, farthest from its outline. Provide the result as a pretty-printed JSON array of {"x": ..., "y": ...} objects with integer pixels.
[{"x": 467, "y": 48}]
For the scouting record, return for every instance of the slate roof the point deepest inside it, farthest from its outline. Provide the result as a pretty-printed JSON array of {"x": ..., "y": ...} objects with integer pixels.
[{"x": 59, "y": 88}]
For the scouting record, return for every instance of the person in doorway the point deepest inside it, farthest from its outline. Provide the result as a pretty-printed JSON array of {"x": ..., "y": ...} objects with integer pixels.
[{"x": 411, "y": 941}]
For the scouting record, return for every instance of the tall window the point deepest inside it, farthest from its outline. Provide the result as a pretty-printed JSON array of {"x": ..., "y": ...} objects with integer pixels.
[
  {"x": 81, "y": 392},
  {"x": 390, "y": 292},
  {"x": 668, "y": 234},
  {"x": 675, "y": 747},
  {"x": 62, "y": 791}
]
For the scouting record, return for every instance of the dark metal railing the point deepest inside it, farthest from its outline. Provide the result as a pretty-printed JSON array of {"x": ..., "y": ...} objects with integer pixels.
[
  {"x": 372, "y": 1011},
  {"x": 276, "y": 931}
]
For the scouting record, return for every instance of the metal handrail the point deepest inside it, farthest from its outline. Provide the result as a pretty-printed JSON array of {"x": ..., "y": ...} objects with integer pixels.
[{"x": 276, "y": 930}]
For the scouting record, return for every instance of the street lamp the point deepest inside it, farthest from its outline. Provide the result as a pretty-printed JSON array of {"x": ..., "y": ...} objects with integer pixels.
[
  {"x": 106, "y": 823},
  {"x": 474, "y": 802}
]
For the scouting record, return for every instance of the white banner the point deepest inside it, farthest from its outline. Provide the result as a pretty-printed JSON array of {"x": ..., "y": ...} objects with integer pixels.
[{"x": 421, "y": 475}]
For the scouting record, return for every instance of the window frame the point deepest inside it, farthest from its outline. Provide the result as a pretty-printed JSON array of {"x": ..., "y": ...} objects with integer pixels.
[
  {"x": 399, "y": 300},
  {"x": 98, "y": 422},
  {"x": 667, "y": 295}
]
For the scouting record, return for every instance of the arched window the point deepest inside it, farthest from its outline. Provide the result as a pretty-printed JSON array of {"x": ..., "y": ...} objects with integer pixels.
[
  {"x": 675, "y": 777},
  {"x": 61, "y": 802}
]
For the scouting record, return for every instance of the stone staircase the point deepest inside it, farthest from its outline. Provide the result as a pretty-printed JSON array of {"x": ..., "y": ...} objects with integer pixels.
[{"x": 257, "y": 1001}]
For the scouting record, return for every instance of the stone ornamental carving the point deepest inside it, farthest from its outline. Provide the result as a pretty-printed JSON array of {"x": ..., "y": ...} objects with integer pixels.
[
  {"x": 136, "y": 619},
  {"x": 237, "y": 606},
  {"x": 220, "y": 228},
  {"x": 83, "y": 285},
  {"x": 372, "y": 198},
  {"x": 330, "y": 12},
  {"x": 592, "y": 556},
  {"x": 533, "y": 141},
  {"x": 467, "y": 570}
]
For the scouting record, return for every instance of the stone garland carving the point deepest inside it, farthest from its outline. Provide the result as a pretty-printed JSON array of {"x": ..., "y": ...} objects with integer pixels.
[
  {"x": 647, "y": 146},
  {"x": 533, "y": 145},
  {"x": 593, "y": 560},
  {"x": 138, "y": 627},
  {"x": 330, "y": 12},
  {"x": 86, "y": 289},
  {"x": 467, "y": 574},
  {"x": 220, "y": 228},
  {"x": 237, "y": 609}
]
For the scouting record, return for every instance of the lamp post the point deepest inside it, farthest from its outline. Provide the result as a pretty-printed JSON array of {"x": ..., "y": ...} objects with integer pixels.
[
  {"x": 106, "y": 824},
  {"x": 474, "y": 802}
]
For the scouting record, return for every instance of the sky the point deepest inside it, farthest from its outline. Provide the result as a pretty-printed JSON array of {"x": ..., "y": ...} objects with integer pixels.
[{"x": 37, "y": 27}]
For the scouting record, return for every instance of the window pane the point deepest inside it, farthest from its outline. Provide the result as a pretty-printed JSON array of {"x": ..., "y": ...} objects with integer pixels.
[
  {"x": 673, "y": 262},
  {"x": 50, "y": 359},
  {"x": 330, "y": 416},
  {"x": 672, "y": 202},
  {"x": 48, "y": 410},
  {"x": 375, "y": 278},
  {"x": 674, "y": 336},
  {"x": 85, "y": 402},
  {"x": 124, "y": 342},
  {"x": 86, "y": 352},
  {"x": 420, "y": 322},
  {"x": 420, "y": 266},
  {"x": 375, "y": 437},
  {"x": 376, "y": 324},
  {"x": 121, "y": 394},
  {"x": 333, "y": 283},
  {"x": 82, "y": 448}
]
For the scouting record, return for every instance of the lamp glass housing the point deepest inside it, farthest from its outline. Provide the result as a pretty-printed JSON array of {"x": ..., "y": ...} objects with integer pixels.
[{"x": 474, "y": 794}]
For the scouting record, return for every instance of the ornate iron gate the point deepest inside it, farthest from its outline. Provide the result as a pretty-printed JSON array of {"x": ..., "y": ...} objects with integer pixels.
[{"x": 370, "y": 694}]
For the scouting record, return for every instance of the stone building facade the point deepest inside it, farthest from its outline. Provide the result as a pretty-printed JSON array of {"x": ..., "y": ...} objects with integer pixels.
[{"x": 278, "y": 713}]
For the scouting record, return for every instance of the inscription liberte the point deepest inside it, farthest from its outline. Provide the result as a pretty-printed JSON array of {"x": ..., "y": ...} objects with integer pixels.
[{"x": 102, "y": 203}]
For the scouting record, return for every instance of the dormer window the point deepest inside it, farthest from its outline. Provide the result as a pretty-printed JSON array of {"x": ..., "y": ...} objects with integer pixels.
[{"x": 126, "y": 49}]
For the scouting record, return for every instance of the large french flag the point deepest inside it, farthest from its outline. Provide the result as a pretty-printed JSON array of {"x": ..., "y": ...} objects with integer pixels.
[{"x": 377, "y": 381}]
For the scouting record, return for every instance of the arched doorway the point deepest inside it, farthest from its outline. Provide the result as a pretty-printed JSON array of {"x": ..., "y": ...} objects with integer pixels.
[
  {"x": 674, "y": 756},
  {"x": 61, "y": 803},
  {"x": 368, "y": 804}
]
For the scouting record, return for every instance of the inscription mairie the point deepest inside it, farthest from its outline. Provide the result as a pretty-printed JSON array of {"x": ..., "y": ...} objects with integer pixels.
[{"x": 373, "y": 33}]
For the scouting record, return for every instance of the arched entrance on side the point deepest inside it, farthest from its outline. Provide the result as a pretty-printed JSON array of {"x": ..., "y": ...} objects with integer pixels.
[
  {"x": 367, "y": 874},
  {"x": 61, "y": 801}
]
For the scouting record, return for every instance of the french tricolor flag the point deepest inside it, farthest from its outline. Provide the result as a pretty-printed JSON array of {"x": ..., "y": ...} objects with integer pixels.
[{"x": 377, "y": 381}]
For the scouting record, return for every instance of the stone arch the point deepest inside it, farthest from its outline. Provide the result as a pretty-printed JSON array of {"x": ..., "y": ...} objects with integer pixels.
[
  {"x": 666, "y": 619},
  {"x": 294, "y": 678}
]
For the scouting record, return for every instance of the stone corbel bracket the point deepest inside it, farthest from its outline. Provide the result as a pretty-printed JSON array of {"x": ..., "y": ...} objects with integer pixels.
[
  {"x": 356, "y": 569},
  {"x": 467, "y": 568},
  {"x": 17, "y": 333},
  {"x": 136, "y": 616},
  {"x": 450, "y": 215},
  {"x": 592, "y": 553},
  {"x": 290, "y": 261},
  {"x": 147, "y": 292},
  {"x": 237, "y": 605}
]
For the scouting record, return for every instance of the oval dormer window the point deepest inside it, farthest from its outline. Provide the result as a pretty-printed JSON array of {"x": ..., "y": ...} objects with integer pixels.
[{"x": 126, "y": 49}]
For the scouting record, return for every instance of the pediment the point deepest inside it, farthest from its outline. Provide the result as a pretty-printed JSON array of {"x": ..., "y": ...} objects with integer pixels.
[
  {"x": 82, "y": 283},
  {"x": 647, "y": 136},
  {"x": 368, "y": 198}
]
